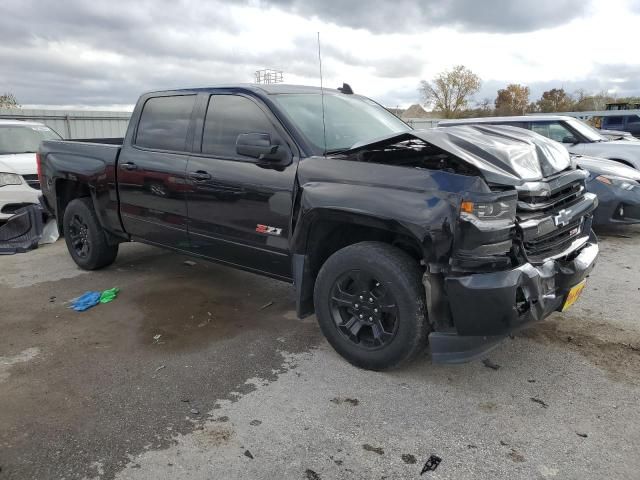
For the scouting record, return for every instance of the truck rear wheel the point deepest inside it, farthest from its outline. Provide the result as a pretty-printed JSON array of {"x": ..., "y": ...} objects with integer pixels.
[
  {"x": 370, "y": 305},
  {"x": 85, "y": 238}
]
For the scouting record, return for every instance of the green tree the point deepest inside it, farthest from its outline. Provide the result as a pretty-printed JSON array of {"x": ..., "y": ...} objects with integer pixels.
[
  {"x": 513, "y": 100},
  {"x": 450, "y": 91},
  {"x": 8, "y": 100},
  {"x": 555, "y": 100}
]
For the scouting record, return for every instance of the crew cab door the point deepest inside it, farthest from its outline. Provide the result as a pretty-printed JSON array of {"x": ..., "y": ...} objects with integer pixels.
[
  {"x": 240, "y": 206},
  {"x": 151, "y": 175}
]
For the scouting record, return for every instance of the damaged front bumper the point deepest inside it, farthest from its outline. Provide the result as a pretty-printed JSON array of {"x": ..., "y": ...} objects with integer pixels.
[{"x": 490, "y": 306}]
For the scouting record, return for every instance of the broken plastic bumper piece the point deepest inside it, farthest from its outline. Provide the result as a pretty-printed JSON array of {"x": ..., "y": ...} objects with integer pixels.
[
  {"x": 490, "y": 306},
  {"x": 22, "y": 231}
]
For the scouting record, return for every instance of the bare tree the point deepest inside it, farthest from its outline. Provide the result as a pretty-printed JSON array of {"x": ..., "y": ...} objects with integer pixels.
[
  {"x": 8, "y": 100},
  {"x": 513, "y": 100},
  {"x": 450, "y": 91}
]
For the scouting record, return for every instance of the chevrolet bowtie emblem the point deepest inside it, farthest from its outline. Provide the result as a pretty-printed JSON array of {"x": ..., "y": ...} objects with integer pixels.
[{"x": 562, "y": 218}]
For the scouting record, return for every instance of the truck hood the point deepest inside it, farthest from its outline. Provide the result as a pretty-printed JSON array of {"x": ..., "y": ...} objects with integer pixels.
[
  {"x": 503, "y": 154},
  {"x": 20, "y": 163}
]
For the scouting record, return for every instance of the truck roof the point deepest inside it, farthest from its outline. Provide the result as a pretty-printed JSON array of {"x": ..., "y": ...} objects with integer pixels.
[{"x": 268, "y": 89}]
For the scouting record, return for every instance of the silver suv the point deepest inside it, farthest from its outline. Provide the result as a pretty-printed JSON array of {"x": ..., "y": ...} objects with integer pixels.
[{"x": 578, "y": 137}]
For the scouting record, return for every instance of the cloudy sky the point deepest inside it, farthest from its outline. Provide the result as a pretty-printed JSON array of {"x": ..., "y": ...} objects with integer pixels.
[{"x": 105, "y": 53}]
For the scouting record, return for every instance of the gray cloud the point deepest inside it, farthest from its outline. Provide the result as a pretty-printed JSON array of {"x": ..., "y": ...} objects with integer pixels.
[
  {"x": 603, "y": 77},
  {"x": 156, "y": 44},
  {"x": 409, "y": 15},
  {"x": 159, "y": 44}
]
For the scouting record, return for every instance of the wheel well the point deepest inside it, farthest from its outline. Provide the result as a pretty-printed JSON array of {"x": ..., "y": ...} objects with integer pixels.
[
  {"x": 327, "y": 237},
  {"x": 66, "y": 191}
]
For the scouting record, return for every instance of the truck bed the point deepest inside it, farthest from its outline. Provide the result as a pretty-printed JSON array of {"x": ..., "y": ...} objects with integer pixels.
[
  {"x": 90, "y": 164},
  {"x": 97, "y": 155}
]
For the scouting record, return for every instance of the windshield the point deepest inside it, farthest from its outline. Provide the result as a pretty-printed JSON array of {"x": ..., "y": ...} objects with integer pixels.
[
  {"x": 24, "y": 139},
  {"x": 587, "y": 130},
  {"x": 349, "y": 119}
]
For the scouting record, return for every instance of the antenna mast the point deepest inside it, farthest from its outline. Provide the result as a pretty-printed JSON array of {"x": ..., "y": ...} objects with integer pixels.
[{"x": 324, "y": 127}]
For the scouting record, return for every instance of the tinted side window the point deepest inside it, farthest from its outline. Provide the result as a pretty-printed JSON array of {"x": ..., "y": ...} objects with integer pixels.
[
  {"x": 227, "y": 117},
  {"x": 164, "y": 123},
  {"x": 553, "y": 130},
  {"x": 613, "y": 120}
]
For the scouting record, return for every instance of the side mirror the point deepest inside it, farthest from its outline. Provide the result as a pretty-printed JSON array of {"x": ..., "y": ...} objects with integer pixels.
[
  {"x": 258, "y": 145},
  {"x": 570, "y": 139}
]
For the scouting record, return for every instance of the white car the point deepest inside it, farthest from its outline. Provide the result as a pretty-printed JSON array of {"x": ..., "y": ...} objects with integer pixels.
[
  {"x": 19, "y": 185},
  {"x": 578, "y": 137}
]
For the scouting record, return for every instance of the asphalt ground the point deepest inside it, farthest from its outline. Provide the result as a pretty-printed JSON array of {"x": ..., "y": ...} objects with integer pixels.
[{"x": 204, "y": 372}]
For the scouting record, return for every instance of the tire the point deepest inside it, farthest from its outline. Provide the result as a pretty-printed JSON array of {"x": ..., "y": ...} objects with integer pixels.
[
  {"x": 85, "y": 238},
  {"x": 389, "y": 327}
]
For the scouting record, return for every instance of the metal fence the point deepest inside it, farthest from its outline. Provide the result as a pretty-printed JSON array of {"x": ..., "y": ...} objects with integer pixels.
[
  {"x": 422, "y": 123},
  {"x": 74, "y": 123},
  {"x": 104, "y": 124}
]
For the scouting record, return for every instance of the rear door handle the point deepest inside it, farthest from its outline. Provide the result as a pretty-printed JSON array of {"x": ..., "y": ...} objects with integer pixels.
[
  {"x": 128, "y": 166},
  {"x": 200, "y": 175}
]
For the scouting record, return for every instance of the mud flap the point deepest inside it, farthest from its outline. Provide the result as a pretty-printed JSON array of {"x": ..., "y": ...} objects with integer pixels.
[{"x": 23, "y": 231}]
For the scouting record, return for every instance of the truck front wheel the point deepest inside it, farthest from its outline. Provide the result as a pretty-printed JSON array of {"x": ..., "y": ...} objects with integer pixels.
[
  {"x": 370, "y": 305},
  {"x": 86, "y": 240}
]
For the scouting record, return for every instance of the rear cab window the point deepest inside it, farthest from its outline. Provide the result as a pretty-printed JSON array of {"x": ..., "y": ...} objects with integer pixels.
[{"x": 164, "y": 123}]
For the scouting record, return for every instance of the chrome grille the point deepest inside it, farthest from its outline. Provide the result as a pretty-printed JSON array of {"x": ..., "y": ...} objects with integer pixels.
[
  {"x": 553, "y": 243},
  {"x": 557, "y": 200},
  {"x": 543, "y": 205}
]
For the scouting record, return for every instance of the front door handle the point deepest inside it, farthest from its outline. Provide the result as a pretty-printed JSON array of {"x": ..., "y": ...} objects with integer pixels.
[
  {"x": 200, "y": 175},
  {"x": 128, "y": 166}
]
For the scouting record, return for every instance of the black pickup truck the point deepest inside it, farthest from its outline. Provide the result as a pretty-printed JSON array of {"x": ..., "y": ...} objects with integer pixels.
[{"x": 395, "y": 238}]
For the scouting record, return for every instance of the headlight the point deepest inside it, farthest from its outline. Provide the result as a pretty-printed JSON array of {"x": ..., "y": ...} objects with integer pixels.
[
  {"x": 626, "y": 183},
  {"x": 10, "y": 179},
  {"x": 501, "y": 210}
]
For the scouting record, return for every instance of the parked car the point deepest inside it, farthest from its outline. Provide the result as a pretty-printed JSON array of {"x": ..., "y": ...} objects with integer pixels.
[
  {"x": 617, "y": 187},
  {"x": 627, "y": 122},
  {"x": 393, "y": 236},
  {"x": 617, "y": 135},
  {"x": 577, "y": 136},
  {"x": 19, "y": 184}
]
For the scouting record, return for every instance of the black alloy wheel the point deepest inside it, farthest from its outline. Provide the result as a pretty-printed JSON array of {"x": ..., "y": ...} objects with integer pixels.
[
  {"x": 370, "y": 305},
  {"x": 79, "y": 233},
  {"x": 364, "y": 309},
  {"x": 87, "y": 241}
]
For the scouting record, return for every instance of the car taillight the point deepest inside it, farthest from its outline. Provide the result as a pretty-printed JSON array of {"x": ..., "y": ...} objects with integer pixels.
[{"x": 39, "y": 167}]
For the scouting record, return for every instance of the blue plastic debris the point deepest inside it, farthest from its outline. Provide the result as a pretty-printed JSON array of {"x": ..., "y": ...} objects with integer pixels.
[{"x": 86, "y": 301}]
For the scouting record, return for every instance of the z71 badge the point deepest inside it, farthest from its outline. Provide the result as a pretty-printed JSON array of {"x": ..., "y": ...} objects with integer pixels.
[{"x": 268, "y": 230}]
